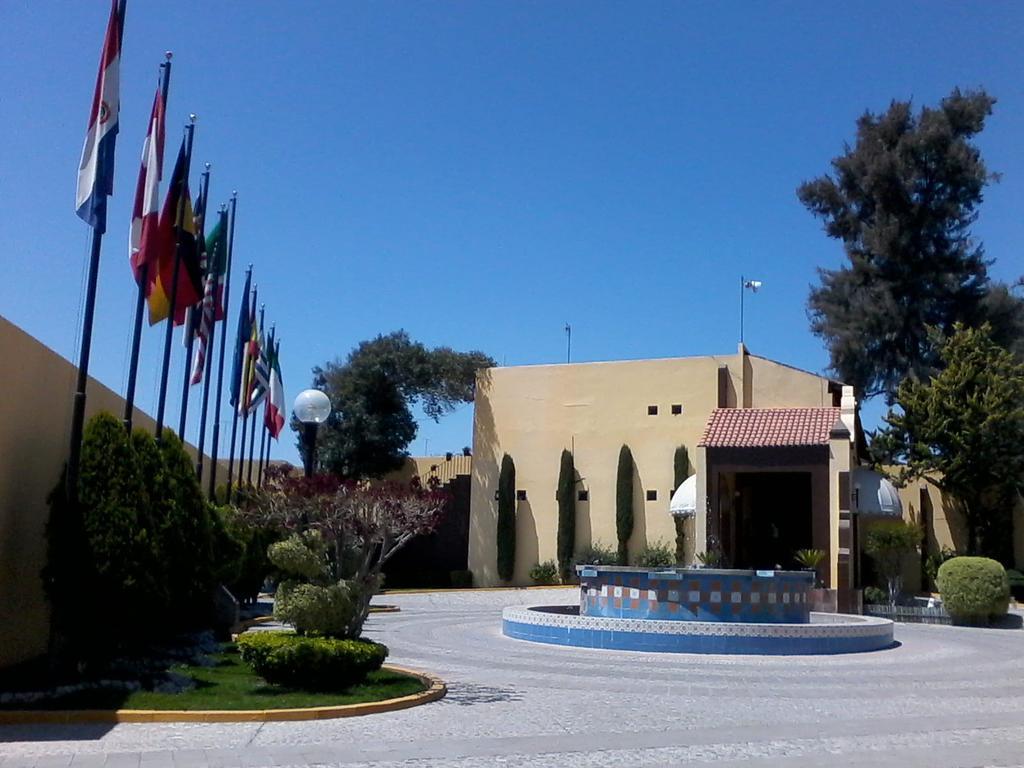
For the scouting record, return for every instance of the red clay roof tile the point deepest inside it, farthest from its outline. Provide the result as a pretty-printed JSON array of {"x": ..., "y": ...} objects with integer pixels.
[{"x": 764, "y": 427}]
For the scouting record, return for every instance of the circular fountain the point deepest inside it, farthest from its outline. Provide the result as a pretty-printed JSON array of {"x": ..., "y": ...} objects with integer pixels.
[{"x": 696, "y": 610}]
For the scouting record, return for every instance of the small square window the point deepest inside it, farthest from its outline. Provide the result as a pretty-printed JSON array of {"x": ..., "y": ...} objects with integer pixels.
[
  {"x": 652, "y": 495},
  {"x": 583, "y": 496},
  {"x": 652, "y": 410},
  {"x": 520, "y": 495},
  {"x": 677, "y": 408}
]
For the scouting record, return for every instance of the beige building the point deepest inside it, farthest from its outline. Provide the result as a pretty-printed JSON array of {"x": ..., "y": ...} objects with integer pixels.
[
  {"x": 775, "y": 452},
  {"x": 653, "y": 406}
]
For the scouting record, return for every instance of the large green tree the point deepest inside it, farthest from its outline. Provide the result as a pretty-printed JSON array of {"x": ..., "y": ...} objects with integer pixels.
[
  {"x": 902, "y": 200},
  {"x": 373, "y": 391},
  {"x": 964, "y": 431}
]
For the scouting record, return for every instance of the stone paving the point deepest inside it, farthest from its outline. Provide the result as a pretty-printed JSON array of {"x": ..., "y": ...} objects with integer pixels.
[{"x": 945, "y": 697}]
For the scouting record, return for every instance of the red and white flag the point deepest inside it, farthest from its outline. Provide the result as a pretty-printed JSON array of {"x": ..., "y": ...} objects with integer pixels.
[
  {"x": 96, "y": 168},
  {"x": 146, "y": 213}
]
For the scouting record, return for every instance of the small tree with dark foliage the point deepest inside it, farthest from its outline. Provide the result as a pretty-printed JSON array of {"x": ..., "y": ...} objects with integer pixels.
[
  {"x": 506, "y": 529},
  {"x": 566, "y": 515},
  {"x": 624, "y": 503},
  {"x": 371, "y": 520},
  {"x": 680, "y": 471}
]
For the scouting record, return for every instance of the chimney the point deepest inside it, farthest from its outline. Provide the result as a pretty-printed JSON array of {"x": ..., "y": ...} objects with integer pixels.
[{"x": 848, "y": 410}]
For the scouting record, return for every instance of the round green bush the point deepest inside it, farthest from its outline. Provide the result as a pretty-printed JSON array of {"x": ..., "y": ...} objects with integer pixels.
[
  {"x": 310, "y": 663},
  {"x": 313, "y": 609},
  {"x": 973, "y": 589}
]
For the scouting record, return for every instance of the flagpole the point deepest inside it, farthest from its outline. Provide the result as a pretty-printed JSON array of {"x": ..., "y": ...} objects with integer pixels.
[
  {"x": 208, "y": 369},
  {"x": 78, "y": 402},
  {"x": 161, "y": 404},
  {"x": 217, "y": 404},
  {"x": 245, "y": 411},
  {"x": 140, "y": 299},
  {"x": 194, "y": 315},
  {"x": 264, "y": 430},
  {"x": 252, "y": 429}
]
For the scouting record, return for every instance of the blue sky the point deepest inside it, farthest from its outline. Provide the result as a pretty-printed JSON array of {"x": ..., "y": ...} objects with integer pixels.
[{"x": 481, "y": 173}]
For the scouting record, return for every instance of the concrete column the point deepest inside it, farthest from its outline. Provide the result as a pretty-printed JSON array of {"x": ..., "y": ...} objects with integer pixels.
[{"x": 700, "y": 518}]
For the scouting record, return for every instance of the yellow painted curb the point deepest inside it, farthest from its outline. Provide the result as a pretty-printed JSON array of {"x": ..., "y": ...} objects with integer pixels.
[{"x": 436, "y": 689}]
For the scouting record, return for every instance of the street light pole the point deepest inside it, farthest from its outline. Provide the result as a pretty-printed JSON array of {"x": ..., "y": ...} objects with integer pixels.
[{"x": 312, "y": 408}]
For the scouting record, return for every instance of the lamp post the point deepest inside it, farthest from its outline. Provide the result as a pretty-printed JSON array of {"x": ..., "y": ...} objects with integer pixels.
[{"x": 312, "y": 407}]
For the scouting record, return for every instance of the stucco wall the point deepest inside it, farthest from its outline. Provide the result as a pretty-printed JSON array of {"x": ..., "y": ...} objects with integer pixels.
[
  {"x": 944, "y": 527},
  {"x": 33, "y": 448},
  {"x": 533, "y": 412}
]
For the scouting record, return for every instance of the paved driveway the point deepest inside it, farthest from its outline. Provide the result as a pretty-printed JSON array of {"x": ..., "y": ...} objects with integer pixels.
[{"x": 946, "y": 697}]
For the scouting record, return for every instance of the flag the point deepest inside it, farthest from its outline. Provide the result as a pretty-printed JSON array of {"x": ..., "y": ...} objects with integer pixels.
[
  {"x": 273, "y": 417},
  {"x": 174, "y": 240},
  {"x": 191, "y": 316},
  {"x": 216, "y": 255},
  {"x": 261, "y": 373},
  {"x": 241, "y": 342},
  {"x": 250, "y": 388},
  {"x": 145, "y": 215},
  {"x": 96, "y": 169}
]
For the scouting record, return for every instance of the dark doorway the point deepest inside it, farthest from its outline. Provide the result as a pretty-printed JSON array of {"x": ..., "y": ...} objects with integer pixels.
[{"x": 772, "y": 518}]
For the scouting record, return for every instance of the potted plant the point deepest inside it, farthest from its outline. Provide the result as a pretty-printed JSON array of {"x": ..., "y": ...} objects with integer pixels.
[{"x": 822, "y": 600}]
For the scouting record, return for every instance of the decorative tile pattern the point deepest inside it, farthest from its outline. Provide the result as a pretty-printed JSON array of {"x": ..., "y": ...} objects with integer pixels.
[
  {"x": 826, "y": 634},
  {"x": 710, "y": 594}
]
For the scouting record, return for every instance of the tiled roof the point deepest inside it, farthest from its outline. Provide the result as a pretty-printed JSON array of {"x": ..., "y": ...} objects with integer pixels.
[{"x": 764, "y": 427}]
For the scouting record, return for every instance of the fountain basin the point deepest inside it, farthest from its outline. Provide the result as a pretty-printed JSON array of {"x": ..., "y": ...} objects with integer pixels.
[
  {"x": 824, "y": 634},
  {"x": 695, "y": 594}
]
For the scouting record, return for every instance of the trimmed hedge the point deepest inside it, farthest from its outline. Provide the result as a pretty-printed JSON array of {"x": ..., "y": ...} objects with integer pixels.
[
  {"x": 310, "y": 663},
  {"x": 973, "y": 589}
]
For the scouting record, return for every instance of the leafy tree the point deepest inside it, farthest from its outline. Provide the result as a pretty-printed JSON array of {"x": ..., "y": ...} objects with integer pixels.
[
  {"x": 680, "y": 471},
  {"x": 374, "y": 521},
  {"x": 964, "y": 432},
  {"x": 373, "y": 391},
  {"x": 902, "y": 201},
  {"x": 888, "y": 543},
  {"x": 624, "y": 503},
  {"x": 506, "y": 532},
  {"x": 566, "y": 514}
]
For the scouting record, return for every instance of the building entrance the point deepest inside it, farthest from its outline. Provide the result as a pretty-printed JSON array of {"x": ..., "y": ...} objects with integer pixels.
[{"x": 771, "y": 519}]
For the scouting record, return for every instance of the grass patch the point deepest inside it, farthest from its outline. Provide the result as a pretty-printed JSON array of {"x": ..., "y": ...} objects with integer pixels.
[{"x": 231, "y": 684}]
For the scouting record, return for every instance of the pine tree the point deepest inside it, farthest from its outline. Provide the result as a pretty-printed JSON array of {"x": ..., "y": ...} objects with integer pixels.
[{"x": 680, "y": 471}]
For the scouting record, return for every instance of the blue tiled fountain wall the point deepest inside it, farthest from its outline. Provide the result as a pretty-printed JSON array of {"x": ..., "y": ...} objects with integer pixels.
[
  {"x": 695, "y": 594},
  {"x": 826, "y": 634}
]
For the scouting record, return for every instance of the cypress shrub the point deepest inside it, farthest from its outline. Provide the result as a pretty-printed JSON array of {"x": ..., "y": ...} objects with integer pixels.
[
  {"x": 506, "y": 535},
  {"x": 185, "y": 535},
  {"x": 680, "y": 471},
  {"x": 118, "y": 533},
  {"x": 973, "y": 589},
  {"x": 566, "y": 514},
  {"x": 624, "y": 503}
]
